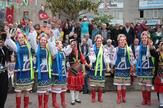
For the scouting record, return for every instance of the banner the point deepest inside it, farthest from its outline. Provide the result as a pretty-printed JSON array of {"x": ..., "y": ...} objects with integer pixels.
[
  {"x": 42, "y": 14},
  {"x": 150, "y": 4},
  {"x": 10, "y": 15}
]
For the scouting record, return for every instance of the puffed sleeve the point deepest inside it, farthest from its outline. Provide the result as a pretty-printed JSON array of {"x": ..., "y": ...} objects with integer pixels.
[
  {"x": 114, "y": 56},
  {"x": 52, "y": 47},
  {"x": 132, "y": 58},
  {"x": 10, "y": 44},
  {"x": 92, "y": 55},
  {"x": 67, "y": 50},
  {"x": 106, "y": 56},
  {"x": 32, "y": 36}
]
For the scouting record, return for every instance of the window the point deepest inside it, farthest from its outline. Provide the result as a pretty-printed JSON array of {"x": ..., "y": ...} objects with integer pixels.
[
  {"x": 160, "y": 13},
  {"x": 155, "y": 13},
  {"x": 117, "y": 14},
  {"x": 151, "y": 13},
  {"x": 141, "y": 13}
]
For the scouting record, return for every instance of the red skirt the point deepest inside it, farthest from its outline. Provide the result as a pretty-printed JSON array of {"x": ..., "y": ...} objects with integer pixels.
[
  {"x": 75, "y": 82},
  {"x": 158, "y": 85}
]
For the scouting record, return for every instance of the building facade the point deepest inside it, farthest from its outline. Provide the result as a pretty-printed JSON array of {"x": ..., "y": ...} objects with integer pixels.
[{"x": 133, "y": 10}]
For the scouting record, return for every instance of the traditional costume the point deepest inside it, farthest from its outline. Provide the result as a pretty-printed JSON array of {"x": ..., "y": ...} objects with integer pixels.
[
  {"x": 144, "y": 69},
  {"x": 158, "y": 82},
  {"x": 110, "y": 51},
  {"x": 59, "y": 74},
  {"x": 98, "y": 60},
  {"x": 43, "y": 67},
  {"x": 75, "y": 75},
  {"x": 123, "y": 61},
  {"x": 24, "y": 70}
]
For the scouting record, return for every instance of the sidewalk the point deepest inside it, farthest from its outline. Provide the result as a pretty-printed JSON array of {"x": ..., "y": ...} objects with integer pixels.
[{"x": 133, "y": 101}]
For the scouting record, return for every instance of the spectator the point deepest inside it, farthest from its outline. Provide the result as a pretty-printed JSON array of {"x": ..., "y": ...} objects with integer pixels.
[
  {"x": 95, "y": 31},
  {"x": 84, "y": 27},
  {"x": 157, "y": 36},
  {"x": 128, "y": 31},
  {"x": 89, "y": 41},
  {"x": 84, "y": 50},
  {"x": 114, "y": 34},
  {"x": 104, "y": 32}
]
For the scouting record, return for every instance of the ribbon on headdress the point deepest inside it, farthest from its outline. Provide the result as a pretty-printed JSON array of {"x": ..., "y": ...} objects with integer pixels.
[{"x": 31, "y": 60}]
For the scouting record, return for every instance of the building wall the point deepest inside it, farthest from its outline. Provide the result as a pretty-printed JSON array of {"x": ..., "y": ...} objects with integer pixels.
[{"x": 130, "y": 12}]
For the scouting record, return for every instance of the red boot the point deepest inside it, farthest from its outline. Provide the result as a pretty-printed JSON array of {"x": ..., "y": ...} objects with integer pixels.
[
  {"x": 63, "y": 100},
  {"x": 100, "y": 95},
  {"x": 93, "y": 96},
  {"x": 40, "y": 101},
  {"x": 18, "y": 102},
  {"x": 54, "y": 100},
  {"x": 46, "y": 100},
  {"x": 118, "y": 96},
  {"x": 144, "y": 95},
  {"x": 148, "y": 94},
  {"x": 26, "y": 101},
  {"x": 123, "y": 95}
]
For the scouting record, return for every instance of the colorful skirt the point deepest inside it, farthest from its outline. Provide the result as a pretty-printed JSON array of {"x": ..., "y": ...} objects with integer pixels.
[
  {"x": 122, "y": 77},
  {"x": 158, "y": 82},
  {"x": 58, "y": 85},
  {"x": 75, "y": 81},
  {"x": 43, "y": 84},
  {"x": 23, "y": 81},
  {"x": 145, "y": 77}
]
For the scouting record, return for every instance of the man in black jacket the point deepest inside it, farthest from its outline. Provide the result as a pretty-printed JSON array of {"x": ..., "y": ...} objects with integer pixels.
[
  {"x": 4, "y": 55},
  {"x": 128, "y": 31}
]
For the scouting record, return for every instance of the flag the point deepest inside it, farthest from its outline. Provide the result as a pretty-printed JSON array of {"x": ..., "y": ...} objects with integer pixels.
[
  {"x": 43, "y": 15},
  {"x": 10, "y": 14}
]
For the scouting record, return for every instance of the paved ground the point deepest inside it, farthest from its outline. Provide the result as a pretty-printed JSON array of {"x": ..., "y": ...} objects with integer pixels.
[{"x": 133, "y": 101}]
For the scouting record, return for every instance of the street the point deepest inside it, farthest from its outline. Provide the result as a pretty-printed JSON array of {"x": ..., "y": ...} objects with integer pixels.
[{"x": 109, "y": 101}]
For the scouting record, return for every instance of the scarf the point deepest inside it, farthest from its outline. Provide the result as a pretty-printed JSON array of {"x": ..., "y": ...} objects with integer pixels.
[
  {"x": 99, "y": 61},
  {"x": 38, "y": 62},
  {"x": 59, "y": 65}
]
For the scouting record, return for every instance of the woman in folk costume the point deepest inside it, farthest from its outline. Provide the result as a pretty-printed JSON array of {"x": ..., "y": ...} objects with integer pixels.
[
  {"x": 59, "y": 78},
  {"x": 123, "y": 64},
  {"x": 43, "y": 66},
  {"x": 24, "y": 73},
  {"x": 98, "y": 60},
  {"x": 75, "y": 75},
  {"x": 144, "y": 68},
  {"x": 158, "y": 83}
]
